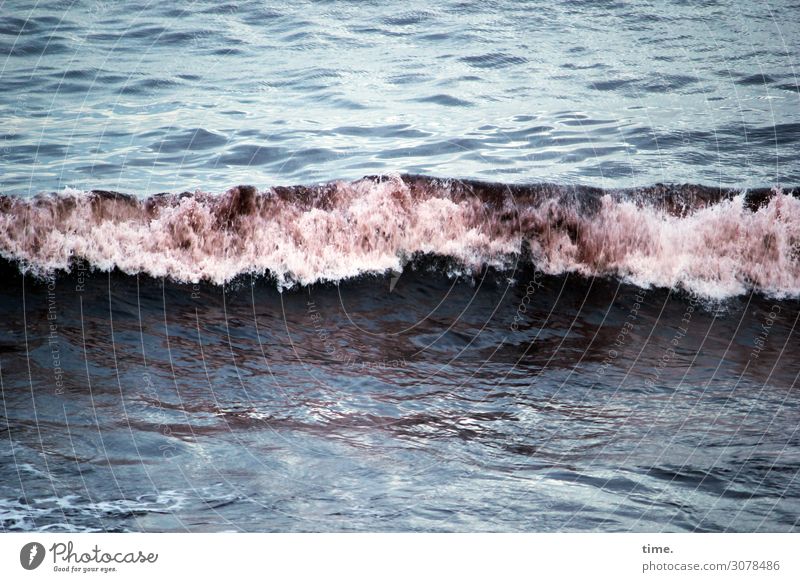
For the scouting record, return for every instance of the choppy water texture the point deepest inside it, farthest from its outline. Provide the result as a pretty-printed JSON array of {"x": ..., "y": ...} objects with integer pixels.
[
  {"x": 553, "y": 403},
  {"x": 160, "y": 97},
  {"x": 546, "y": 335}
]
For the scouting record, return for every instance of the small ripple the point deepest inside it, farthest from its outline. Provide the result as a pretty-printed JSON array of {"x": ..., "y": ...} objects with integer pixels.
[
  {"x": 384, "y": 131},
  {"x": 758, "y": 79},
  {"x": 444, "y": 99},
  {"x": 195, "y": 139},
  {"x": 252, "y": 155},
  {"x": 611, "y": 85},
  {"x": 34, "y": 47},
  {"x": 493, "y": 60},
  {"x": 407, "y": 19}
]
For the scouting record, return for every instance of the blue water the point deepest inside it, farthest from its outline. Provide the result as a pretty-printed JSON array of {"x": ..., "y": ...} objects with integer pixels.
[
  {"x": 430, "y": 408},
  {"x": 427, "y": 400},
  {"x": 152, "y": 97}
]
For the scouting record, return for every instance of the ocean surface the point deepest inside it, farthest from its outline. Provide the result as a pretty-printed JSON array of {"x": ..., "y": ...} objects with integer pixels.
[{"x": 344, "y": 266}]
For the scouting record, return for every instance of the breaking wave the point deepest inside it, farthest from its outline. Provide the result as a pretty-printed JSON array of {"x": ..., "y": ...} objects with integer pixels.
[{"x": 710, "y": 241}]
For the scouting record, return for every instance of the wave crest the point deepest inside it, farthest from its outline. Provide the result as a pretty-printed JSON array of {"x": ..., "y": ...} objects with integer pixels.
[{"x": 713, "y": 242}]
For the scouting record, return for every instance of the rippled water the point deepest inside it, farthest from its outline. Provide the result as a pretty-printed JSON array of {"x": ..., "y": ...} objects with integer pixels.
[
  {"x": 399, "y": 353},
  {"x": 443, "y": 405},
  {"x": 155, "y": 97}
]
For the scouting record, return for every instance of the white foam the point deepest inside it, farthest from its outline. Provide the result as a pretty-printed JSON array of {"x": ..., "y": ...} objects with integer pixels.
[{"x": 374, "y": 226}]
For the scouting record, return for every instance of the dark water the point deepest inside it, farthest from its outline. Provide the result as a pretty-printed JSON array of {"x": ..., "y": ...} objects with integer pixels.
[
  {"x": 399, "y": 353},
  {"x": 438, "y": 406}
]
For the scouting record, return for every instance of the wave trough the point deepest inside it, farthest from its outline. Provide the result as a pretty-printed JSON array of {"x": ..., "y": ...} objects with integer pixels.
[{"x": 714, "y": 242}]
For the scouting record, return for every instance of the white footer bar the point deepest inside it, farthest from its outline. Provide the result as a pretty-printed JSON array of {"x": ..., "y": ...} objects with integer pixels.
[{"x": 387, "y": 557}]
